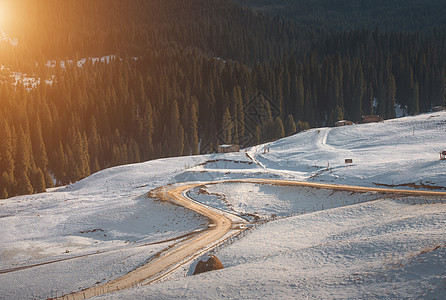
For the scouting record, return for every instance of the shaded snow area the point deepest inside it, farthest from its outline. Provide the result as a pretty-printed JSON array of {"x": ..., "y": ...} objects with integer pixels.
[
  {"x": 263, "y": 201},
  {"x": 302, "y": 242},
  {"x": 383, "y": 248}
]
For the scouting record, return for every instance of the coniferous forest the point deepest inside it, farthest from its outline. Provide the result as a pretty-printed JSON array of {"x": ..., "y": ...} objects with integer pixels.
[{"x": 181, "y": 77}]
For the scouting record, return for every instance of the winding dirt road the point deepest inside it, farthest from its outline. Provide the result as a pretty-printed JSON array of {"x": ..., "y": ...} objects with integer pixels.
[{"x": 219, "y": 226}]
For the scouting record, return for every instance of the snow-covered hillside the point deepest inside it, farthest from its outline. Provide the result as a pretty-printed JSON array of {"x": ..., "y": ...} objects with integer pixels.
[
  {"x": 385, "y": 248},
  {"x": 317, "y": 243},
  {"x": 398, "y": 151}
]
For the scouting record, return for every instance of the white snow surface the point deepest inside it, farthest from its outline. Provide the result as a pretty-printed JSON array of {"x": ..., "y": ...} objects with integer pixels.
[
  {"x": 269, "y": 201},
  {"x": 369, "y": 250},
  {"x": 5, "y": 38},
  {"x": 80, "y": 63},
  {"x": 32, "y": 81},
  {"x": 316, "y": 243}
]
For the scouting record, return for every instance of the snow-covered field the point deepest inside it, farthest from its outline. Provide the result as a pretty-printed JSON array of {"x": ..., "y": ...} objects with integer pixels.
[
  {"x": 264, "y": 202},
  {"x": 317, "y": 243},
  {"x": 108, "y": 213},
  {"x": 382, "y": 249}
]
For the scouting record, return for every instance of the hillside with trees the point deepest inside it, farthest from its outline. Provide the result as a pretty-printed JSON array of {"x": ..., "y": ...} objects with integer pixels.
[
  {"x": 184, "y": 75},
  {"x": 339, "y": 15}
]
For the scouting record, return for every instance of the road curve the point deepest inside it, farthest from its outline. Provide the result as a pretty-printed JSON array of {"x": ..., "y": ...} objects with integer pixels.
[
  {"x": 219, "y": 226},
  {"x": 340, "y": 187}
]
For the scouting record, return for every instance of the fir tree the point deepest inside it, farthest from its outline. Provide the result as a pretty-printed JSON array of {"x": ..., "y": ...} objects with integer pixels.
[
  {"x": 6, "y": 156},
  {"x": 24, "y": 163},
  {"x": 279, "y": 131},
  {"x": 336, "y": 115},
  {"x": 290, "y": 126},
  {"x": 227, "y": 127},
  {"x": 38, "y": 180}
]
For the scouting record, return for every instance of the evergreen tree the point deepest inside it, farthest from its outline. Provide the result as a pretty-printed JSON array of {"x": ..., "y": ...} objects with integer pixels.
[
  {"x": 301, "y": 126},
  {"x": 299, "y": 98},
  {"x": 279, "y": 131},
  {"x": 227, "y": 127},
  {"x": 336, "y": 115},
  {"x": 23, "y": 184},
  {"x": 290, "y": 126},
  {"x": 176, "y": 132},
  {"x": 193, "y": 128},
  {"x": 148, "y": 130},
  {"x": 23, "y": 164},
  {"x": 93, "y": 145},
  {"x": 6, "y": 158},
  {"x": 413, "y": 105},
  {"x": 358, "y": 93},
  {"x": 39, "y": 151},
  {"x": 38, "y": 180}
]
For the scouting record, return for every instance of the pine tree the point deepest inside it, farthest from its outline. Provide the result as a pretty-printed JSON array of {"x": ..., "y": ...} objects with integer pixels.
[
  {"x": 301, "y": 126},
  {"x": 39, "y": 151},
  {"x": 176, "y": 132},
  {"x": 290, "y": 126},
  {"x": 226, "y": 127},
  {"x": 148, "y": 130},
  {"x": 77, "y": 154},
  {"x": 23, "y": 184},
  {"x": 367, "y": 105},
  {"x": 391, "y": 93},
  {"x": 299, "y": 98},
  {"x": 336, "y": 115},
  {"x": 6, "y": 157},
  {"x": 279, "y": 131},
  {"x": 24, "y": 163},
  {"x": 93, "y": 145},
  {"x": 413, "y": 106},
  {"x": 38, "y": 180},
  {"x": 193, "y": 127},
  {"x": 61, "y": 165},
  {"x": 240, "y": 115},
  {"x": 358, "y": 93},
  {"x": 85, "y": 156}
]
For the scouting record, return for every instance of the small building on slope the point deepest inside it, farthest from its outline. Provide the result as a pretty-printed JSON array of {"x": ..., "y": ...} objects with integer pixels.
[
  {"x": 228, "y": 148},
  {"x": 343, "y": 123}
]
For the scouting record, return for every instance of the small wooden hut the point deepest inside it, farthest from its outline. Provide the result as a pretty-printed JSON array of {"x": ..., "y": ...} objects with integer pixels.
[{"x": 228, "y": 148}]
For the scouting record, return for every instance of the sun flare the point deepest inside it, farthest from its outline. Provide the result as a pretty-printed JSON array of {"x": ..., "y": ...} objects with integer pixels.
[{"x": 5, "y": 14}]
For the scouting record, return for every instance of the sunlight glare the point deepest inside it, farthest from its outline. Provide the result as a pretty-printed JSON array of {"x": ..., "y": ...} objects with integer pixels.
[{"x": 5, "y": 14}]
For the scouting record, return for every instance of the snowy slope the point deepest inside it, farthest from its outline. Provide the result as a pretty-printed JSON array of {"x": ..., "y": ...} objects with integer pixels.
[
  {"x": 322, "y": 244},
  {"x": 374, "y": 249},
  {"x": 398, "y": 151},
  {"x": 108, "y": 212}
]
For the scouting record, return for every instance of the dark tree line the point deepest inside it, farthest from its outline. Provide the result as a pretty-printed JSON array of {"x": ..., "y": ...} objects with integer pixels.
[
  {"x": 199, "y": 64},
  {"x": 389, "y": 15}
]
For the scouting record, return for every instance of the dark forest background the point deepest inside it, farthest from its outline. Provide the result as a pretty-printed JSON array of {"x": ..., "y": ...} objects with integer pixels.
[
  {"x": 388, "y": 15},
  {"x": 184, "y": 72}
]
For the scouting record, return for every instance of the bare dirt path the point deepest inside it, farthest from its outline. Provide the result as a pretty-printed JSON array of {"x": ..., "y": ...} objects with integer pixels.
[{"x": 218, "y": 227}]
